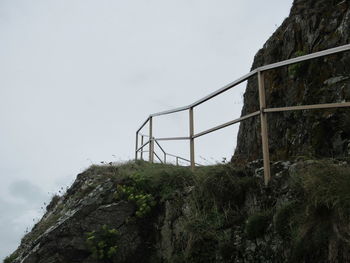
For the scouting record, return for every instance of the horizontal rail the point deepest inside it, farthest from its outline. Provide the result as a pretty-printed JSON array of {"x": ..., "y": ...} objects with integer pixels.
[
  {"x": 186, "y": 160},
  {"x": 172, "y": 139},
  {"x": 142, "y": 146},
  {"x": 170, "y": 111},
  {"x": 226, "y": 124},
  {"x": 223, "y": 89},
  {"x": 208, "y": 97},
  {"x": 261, "y": 112},
  {"x": 323, "y": 53},
  {"x": 309, "y": 107},
  {"x": 253, "y": 72}
]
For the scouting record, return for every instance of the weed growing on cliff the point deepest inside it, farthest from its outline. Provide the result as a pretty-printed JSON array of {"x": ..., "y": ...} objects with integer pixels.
[
  {"x": 152, "y": 183},
  {"x": 215, "y": 200},
  {"x": 257, "y": 224},
  {"x": 103, "y": 243},
  {"x": 298, "y": 68},
  {"x": 144, "y": 202},
  {"x": 162, "y": 180},
  {"x": 222, "y": 185},
  {"x": 10, "y": 258},
  {"x": 325, "y": 184},
  {"x": 324, "y": 187},
  {"x": 283, "y": 220}
]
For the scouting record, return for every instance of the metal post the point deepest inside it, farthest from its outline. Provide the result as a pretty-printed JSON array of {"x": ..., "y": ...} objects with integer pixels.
[
  {"x": 137, "y": 145},
  {"x": 177, "y": 161},
  {"x": 191, "y": 139},
  {"x": 164, "y": 158},
  {"x": 151, "y": 141},
  {"x": 142, "y": 148},
  {"x": 264, "y": 132}
]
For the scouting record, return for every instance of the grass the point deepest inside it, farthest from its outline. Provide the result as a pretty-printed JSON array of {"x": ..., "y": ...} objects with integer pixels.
[
  {"x": 257, "y": 224},
  {"x": 297, "y": 69},
  {"x": 10, "y": 258},
  {"x": 325, "y": 184},
  {"x": 323, "y": 188},
  {"x": 283, "y": 219}
]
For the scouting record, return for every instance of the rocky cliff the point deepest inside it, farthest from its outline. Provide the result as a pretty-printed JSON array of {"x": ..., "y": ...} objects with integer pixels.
[
  {"x": 140, "y": 212},
  {"x": 313, "y": 25}
]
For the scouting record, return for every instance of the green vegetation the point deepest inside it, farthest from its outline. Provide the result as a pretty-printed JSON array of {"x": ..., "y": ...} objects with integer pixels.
[
  {"x": 323, "y": 189},
  {"x": 103, "y": 243},
  {"x": 298, "y": 68},
  {"x": 257, "y": 224},
  {"x": 144, "y": 202},
  {"x": 151, "y": 184},
  {"x": 218, "y": 194},
  {"x": 325, "y": 184},
  {"x": 283, "y": 220},
  {"x": 10, "y": 258}
]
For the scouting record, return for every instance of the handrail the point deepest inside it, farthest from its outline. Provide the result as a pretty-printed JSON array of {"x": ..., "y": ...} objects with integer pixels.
[
  {"x": 310, "y": 107},
  {"x": 250, "y": 74},
  {"x": 263, "y": 110},
  {"x": 173, "y": 139},
  {"x": 143, "y": 124},
  {"x": 142, "y": 146},
  {"x": 227, "y": 124},
  {"x": 181, "y": 158},
  {"x": 318, "y": 54}
]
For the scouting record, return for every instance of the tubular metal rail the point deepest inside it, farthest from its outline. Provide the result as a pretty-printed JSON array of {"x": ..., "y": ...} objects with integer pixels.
[{"x": 262, "y": 112}]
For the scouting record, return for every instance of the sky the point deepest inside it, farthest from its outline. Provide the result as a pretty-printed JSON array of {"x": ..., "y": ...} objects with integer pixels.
[{"x": 78, "y": 78}]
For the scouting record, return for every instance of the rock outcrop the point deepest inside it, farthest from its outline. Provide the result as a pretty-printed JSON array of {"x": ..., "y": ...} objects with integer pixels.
[
  {"x": 140, "y": 212},
  {"x": 313, "y": 25}
]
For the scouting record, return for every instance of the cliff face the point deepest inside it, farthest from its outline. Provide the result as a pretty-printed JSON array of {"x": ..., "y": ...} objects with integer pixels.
[
  {"x": 140, "y": 212},
  {"x": 313, "y": 25}
]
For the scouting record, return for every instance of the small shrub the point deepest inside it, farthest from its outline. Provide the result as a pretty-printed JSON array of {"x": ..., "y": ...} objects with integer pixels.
[
  {"x": 144, "y": 202},
  {"x": 162, "y": 180},
  {"x": 10, "y": 258},
  {"x": 311, "y": 243},
  {"x": 283, "y": 220},
  {"x": 103, "y": 243},
  {"x": 53, "y": 202},
  {"x": 223, "y": 186},
  {"x": 298, "y": 68},
  {"x": 325, "y": 184},
  {"x": 257, "y": 224}
]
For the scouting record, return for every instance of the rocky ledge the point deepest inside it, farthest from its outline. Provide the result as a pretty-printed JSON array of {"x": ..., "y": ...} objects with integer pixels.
[{"x": 139, "y": 212}]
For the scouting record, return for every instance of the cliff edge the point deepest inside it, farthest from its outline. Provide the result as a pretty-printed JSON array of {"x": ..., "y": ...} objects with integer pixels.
[{"x": 313, "y": 25}]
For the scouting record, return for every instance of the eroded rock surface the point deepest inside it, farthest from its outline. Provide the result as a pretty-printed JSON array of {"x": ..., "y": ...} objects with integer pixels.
[{"x": 313, "y": 25}]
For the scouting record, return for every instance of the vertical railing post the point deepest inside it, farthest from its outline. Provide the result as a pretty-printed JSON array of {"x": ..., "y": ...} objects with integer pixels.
[
  {"x": 164, "y": 158},
  {"x": 151, "y": 141},
  {"x": 177, "y": 161},
  {"x": 191, "y": 138},
  {"x": 264, "y": 132},
  {"x": 142, "y": 148},
  {"x": 136, "y": 145}
]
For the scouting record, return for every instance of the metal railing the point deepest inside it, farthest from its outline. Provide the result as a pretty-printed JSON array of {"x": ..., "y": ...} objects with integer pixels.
[{"x": 262, "y": 112}]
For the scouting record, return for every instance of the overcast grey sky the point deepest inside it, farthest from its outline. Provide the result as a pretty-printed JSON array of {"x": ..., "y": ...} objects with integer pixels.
[{"x": 77, "y": 78}]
